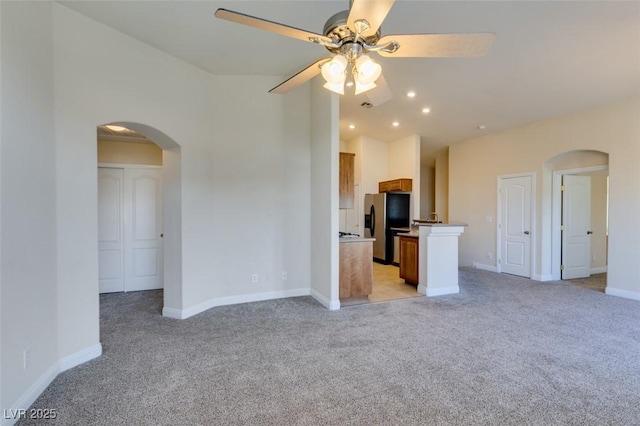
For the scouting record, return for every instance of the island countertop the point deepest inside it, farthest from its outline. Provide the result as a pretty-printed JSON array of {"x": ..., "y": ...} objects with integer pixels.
[
  {"x": 355, "y": 239},
  {"x": 415, "y": 232},
  {"x": 441, "y": 224}
]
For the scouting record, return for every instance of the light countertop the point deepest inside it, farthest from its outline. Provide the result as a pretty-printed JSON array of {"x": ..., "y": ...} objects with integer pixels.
[
  {"x": 442, "y": 224},
  {"x": 355, "y": 239},
  {"x": 415, "y": 232}
]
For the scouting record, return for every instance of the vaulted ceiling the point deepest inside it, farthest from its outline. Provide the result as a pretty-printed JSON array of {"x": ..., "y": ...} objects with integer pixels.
[{"x": 548, "y": 59}]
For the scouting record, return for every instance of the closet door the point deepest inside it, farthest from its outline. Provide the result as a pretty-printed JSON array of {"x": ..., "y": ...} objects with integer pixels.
[
  {"x": 143, "y": 229},
  {"x": 129, "y": 229},
  {"x": 110, "y": 229}
]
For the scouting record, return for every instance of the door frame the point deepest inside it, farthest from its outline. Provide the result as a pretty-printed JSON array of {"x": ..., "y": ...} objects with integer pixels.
[
  {"x": 532, "y": 218},
  {"x": 556, "y": 214}
]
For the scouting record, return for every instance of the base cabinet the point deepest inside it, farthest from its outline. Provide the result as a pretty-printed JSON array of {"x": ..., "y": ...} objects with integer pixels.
[
  {"x": 409, "y": 259},
  {"x": 356, "y": 269}
]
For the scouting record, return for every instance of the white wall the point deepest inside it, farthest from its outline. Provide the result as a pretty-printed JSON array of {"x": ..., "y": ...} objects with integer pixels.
[
  {"x": 614, "y": 129},
  {"x": 442, "y": 185},
  {"x": 243, "y": 191},
  {"x": 599, "y": 219},
  {"x": 427, "y": 190},
  {"x": 374, "y": 164},
  {"x": 128, "y": 152},
  {"x": 324, "y": 195},
  {"x": 28, "y": 221},
  {"x": 404, "y": 162}
]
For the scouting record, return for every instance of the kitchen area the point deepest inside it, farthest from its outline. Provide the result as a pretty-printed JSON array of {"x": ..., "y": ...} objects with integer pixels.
[{"x": 386, "y": 218}]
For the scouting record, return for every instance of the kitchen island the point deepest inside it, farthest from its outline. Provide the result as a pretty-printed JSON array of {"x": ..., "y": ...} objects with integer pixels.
[
  {"x": 437, "y": 253},
  {"x": 356, "y": 268}
]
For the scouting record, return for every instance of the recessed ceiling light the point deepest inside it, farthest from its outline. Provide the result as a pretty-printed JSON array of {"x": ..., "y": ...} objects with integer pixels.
[
  {"x": 115, "y": 128},
  {"x": 352, "y": 126},
  {"x": 395, "y": 124},
  {"x": 411, "y": 94},
  {"x": 426, "y": 110},
  {"x": 482, "y": 127}
]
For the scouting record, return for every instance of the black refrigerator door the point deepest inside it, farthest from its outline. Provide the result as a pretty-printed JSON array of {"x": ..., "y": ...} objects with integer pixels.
[{"x": 397, "y": 210}]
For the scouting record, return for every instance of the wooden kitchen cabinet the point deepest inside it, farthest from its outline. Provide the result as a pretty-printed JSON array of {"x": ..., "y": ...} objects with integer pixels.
[
  {"x": 347, "y": 180},
  {"x": 401, "y": 185},
  {"x": 356, "y": 269},
  {"x": 409, "y": 258}
]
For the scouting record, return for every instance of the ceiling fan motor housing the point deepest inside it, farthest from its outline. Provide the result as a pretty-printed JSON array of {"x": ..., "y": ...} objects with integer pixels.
[{"x": 336, "y": 28}]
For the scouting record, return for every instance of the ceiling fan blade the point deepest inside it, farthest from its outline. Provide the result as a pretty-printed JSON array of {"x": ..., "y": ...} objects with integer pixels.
[
  {"x": 379, "y": 94},
  {"x": 373, "y": 11},
  {"x": 299, "y": 78},
  {"x": 439, "y": 45},
  {"x": 266, "y": 25}
]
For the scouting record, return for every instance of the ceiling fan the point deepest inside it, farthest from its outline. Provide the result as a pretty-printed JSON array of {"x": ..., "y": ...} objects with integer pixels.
[{"x": 351, "y": 34}]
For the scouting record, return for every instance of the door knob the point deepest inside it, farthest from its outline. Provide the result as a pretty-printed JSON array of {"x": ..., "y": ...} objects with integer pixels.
[
  {"x": 526, "y": 232},
  {"x": 589, "y": 232}
]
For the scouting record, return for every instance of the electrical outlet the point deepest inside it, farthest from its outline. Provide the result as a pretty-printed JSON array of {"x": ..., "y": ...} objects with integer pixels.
[
  {"x": 26, "y": 358},
  {"x": 489, "y": 255},
  {"x": 254, "y": 278},
  {"x": 284, "y": 275},
  {"x": 593, "y": 258}
]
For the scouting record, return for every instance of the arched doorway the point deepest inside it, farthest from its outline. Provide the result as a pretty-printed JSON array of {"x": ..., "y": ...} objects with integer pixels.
[
  {"x": 579, "y": 214},
  {"x": 168, "y": 169}
]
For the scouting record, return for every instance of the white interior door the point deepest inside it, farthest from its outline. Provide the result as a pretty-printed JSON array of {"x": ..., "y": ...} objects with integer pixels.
[
  {"x": 110, "y": 230},
  {"x": 143, "y": 229},
  {"x": 576, "y": 225},
  {"x": 515, "y": 225},
  {"x": 129, "y": 229}
]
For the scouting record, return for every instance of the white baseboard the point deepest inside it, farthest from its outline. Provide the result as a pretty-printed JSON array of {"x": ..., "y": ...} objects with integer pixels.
[
  {"x": 598, "y": 270},
  {"x": 544, "y": 277},
  {"x": 438, "y": 291},
  {"x": 80, "y": 357},
  {"x": 332, "y": 305},
  {"x": 484, "y": 267},
  {"x": 36, "y": 389},
  {"x": 172, "y": 313},
  {"x": 627, "y": 294},
  {"x": 233, "y": 300}
]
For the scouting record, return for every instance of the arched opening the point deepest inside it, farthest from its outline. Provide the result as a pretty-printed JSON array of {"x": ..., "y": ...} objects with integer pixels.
[
  {"x": 579, "y": 217},
  {"x": 148, "y": 162}
]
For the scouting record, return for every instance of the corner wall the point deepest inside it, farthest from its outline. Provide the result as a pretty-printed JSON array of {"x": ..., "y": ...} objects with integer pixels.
[
  {"x": 475, "y": 164},
  {"x": 325, "y": 135},
  {"x": 244, "y": 204},
  {"x": 28, "y": 210}
]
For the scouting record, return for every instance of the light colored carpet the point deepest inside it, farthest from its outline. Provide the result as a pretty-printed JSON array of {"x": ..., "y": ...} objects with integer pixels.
[{"x": 505, "y": 351}]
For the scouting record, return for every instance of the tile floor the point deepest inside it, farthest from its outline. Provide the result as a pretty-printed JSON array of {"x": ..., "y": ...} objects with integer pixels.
[{"x": 387, "y": 285}]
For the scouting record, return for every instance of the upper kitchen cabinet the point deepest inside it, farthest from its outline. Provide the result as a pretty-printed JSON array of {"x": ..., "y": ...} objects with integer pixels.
[
  {"x": 347, "y": 180},
  {"x": 401, "y": 185}
]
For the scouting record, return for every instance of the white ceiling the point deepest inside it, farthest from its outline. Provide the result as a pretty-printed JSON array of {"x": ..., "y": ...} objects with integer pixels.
[{"x": 549, "y": 58}]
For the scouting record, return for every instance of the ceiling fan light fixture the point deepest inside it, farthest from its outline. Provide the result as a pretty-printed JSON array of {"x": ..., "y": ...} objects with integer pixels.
[
  {"x": 335, "y": 87},
  {"x": 367, "y": 71},
  {"x": 361, "y": 88},
  {"x": 333, "y": 71}
]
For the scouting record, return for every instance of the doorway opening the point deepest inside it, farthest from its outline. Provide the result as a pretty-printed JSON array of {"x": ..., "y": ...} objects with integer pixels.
[
  {"x": 579, "y": 218},
  {"x": 139, "y": 232}
]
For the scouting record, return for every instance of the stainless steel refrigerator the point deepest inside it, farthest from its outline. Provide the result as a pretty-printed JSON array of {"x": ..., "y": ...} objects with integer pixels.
[{"x": 381, "y": 213}]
